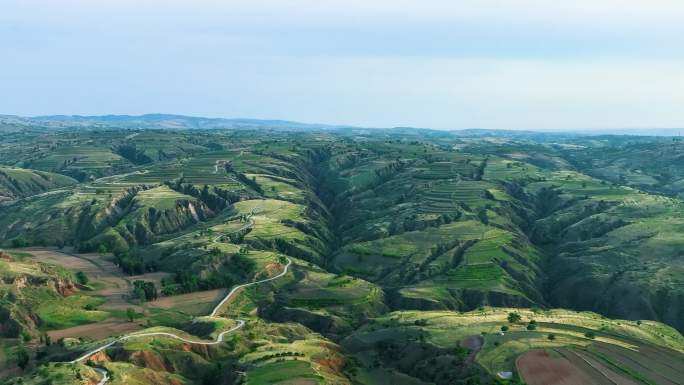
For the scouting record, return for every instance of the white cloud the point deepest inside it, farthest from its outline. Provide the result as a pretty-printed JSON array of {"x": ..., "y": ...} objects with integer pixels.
[{"x": 486, "y": 63}]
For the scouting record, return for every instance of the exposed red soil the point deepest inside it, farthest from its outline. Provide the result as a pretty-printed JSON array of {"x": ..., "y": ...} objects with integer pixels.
[
  {"x": 273, "y": 269},
  {"x": 150, "y": 360},
  {"x": 334, "y": 363},
  {"x": 100, "y": 357}
]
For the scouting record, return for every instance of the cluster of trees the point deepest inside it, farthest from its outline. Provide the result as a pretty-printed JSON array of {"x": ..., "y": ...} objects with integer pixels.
[
  {"x": 435, "y": 365},
  {"x": 133, "y": 264},
  {"x": 415, "y": 222},
  {"x": 81, "y": 278},
  {"x": 144, "y": 291},
  {"x": 20, "y": 242},
  {"x": 515, "y": 318},
  {"x": 10, "y": 328},
  {"x": 249, "y": 182},
  {"x": 133, "y": 154},
  {"x": 216, "y": 199},
  {"x": 386, "y": 173},
  {"x": 186, "y": 281},
  {"x": 281, "y": 354}
]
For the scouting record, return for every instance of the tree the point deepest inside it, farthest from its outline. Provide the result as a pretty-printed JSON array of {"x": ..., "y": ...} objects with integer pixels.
[
  {"x": 504, "y": 328},
  {"x": 514, "y": 317},
  {"x": 551, "y": 337},
  {"x": 81, "y": 278},
  {"x": 531, "y": 327},
  {"x": 20, "y": 242},
  {"x": 130, "y": 314},
  {"x": 22, "y": 357},
  {"x": 144, "y": 290},
  {"x": 45, "y": 338},
  {"x": 590, "y": 335}
]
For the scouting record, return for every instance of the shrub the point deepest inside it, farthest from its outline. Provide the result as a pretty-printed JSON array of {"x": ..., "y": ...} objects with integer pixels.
[
  {"x": 20, "y": 242},
  {"x": 144, "y": 290},
  {"x": 130, "y": 314},
  {"x": 514, "y": 317},
  {"x": 81, "y": 278}
]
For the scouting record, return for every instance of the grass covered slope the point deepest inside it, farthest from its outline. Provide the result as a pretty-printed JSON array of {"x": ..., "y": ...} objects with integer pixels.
[
  {"x": 18, "y": 183},
  {"x": 37, "y": 297},
  {"x": 427, "y": 222},
  {"x": 399, "y": 241}
]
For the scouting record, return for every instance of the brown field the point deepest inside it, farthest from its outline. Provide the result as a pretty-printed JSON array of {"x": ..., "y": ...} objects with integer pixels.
[
  {"x": 97, "y": 331},
  {"x": 660, "y": 365},
  {"x": 112, "y": 284},
  {"x": 115, "y": 288},
  {"x": 197, "y": 303},
  {"x": 538, "y": 367}
]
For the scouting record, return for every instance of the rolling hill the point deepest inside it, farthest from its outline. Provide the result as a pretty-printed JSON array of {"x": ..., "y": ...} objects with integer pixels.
[{"x": 408, "y": 252}]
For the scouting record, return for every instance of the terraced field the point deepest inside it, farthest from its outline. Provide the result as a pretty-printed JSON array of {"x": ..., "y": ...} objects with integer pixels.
[
  {"x": 556, "y": 351},
  {"x": 409, "y": 251}
]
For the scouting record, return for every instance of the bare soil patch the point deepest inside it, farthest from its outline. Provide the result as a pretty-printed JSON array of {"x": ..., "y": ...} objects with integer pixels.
[
  {"x": 96, "y": 331},
  {"x": 474, "y": 344},
  {"x": 115, "y": 287},
  {"x": 112, "y": 284},
  {"x": 538, "y": 367}
]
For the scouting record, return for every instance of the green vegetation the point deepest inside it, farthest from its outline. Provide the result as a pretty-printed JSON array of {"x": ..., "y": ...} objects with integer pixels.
[{"x": 418, "y": 257}]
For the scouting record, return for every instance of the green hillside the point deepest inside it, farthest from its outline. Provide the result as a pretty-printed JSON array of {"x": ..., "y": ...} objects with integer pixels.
[
  {"x": 18, "y": 183},
  {"x": 372, "y": 257}
]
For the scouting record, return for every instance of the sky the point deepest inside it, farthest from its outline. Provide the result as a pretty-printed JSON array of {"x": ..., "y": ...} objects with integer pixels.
[{"x": 446, "y": 64}]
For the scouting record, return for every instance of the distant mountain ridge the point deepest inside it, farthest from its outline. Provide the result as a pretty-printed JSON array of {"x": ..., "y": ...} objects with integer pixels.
[
  {"x": 155, "y": 121},
  {"x": 173, "y": 121}
]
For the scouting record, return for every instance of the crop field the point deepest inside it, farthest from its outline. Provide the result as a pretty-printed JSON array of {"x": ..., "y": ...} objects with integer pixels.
[
  {"x": 537, "y": 358},
  {"x": 340, "y": 298},
  {"x": 310, "y": 361},
  {"x": 161, "y": 198},
  {"x": 90, "y": 159},
  {"x": 197, "y": 303},
  {"x": 503, "y": 169},
  {"x": 109, "y": 282},
  {"x": 267, "y": 216}
]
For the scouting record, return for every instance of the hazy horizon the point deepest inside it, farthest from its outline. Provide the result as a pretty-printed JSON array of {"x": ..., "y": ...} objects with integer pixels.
[{"x": 601, "y": 65}]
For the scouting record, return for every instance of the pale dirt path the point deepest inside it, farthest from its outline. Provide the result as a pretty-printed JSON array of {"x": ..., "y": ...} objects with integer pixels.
[{"x": 217, "y": 341}]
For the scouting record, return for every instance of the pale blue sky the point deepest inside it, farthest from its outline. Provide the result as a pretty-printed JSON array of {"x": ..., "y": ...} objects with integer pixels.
[{"x": 429, "y": 63}]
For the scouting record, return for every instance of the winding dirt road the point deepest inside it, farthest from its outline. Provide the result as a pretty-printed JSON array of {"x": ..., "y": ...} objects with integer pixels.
[{"x": 218, "y": 340}]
